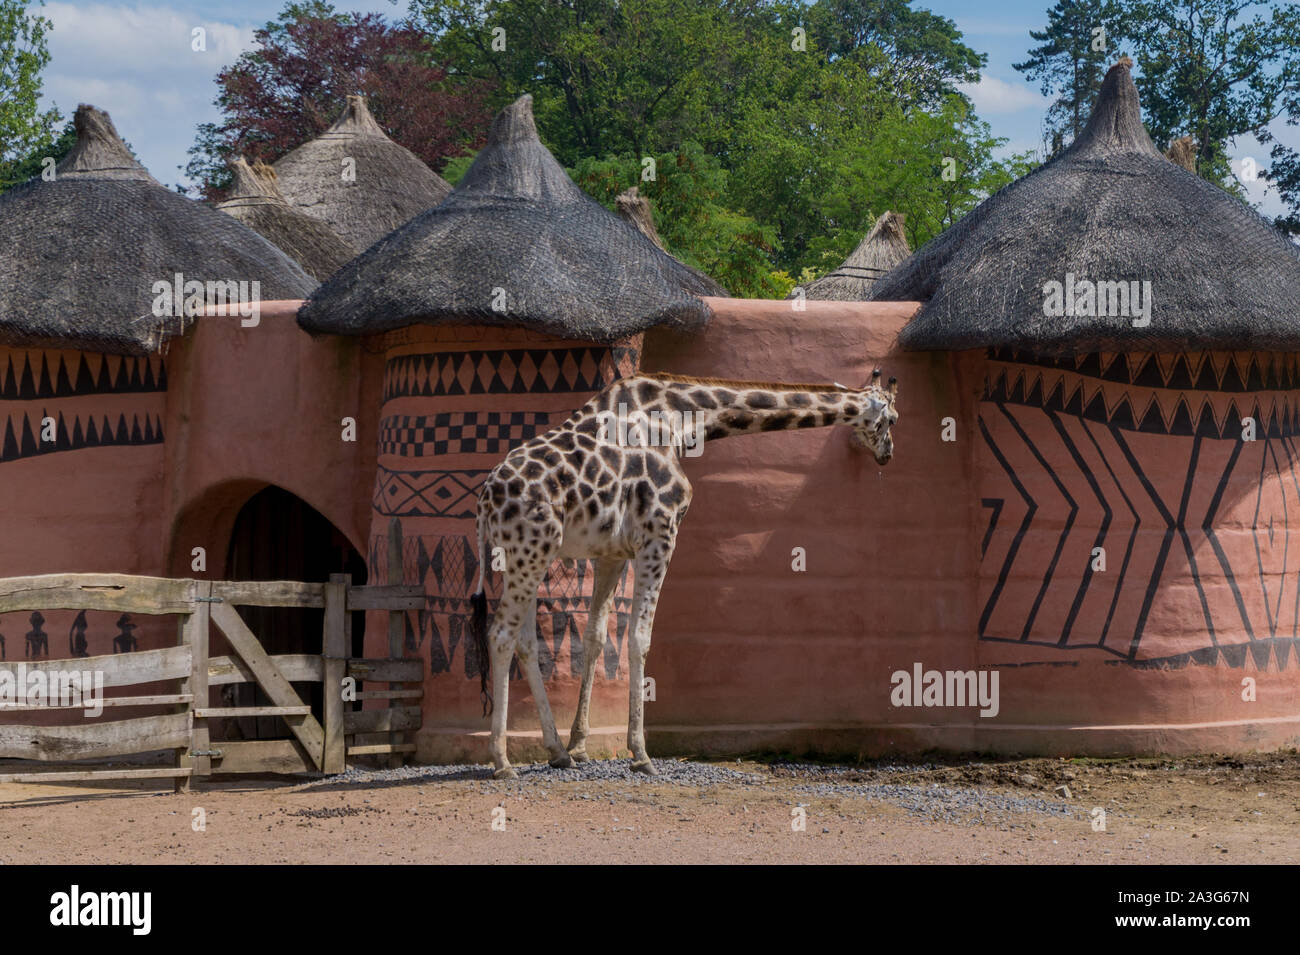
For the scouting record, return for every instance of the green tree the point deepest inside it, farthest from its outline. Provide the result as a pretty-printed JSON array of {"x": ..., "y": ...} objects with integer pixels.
[
  {"x": 34, "y": 163},
  {"x": 917, "y": 53},
  {"x": 25, "y": 129},
  {"x": 933, "y": 167},
  {"x": 1216, "y": 70},
  {"x": 1070, "y": 61},
  {"x": 686, "y": 195}
]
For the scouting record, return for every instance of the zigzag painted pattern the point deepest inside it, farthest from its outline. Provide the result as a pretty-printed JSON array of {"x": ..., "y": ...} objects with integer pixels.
[{"x": 1194, "y": 521}]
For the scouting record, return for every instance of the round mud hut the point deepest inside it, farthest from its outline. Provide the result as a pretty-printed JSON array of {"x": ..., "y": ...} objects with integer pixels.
[
  {"x": 1124, "y": 335},
  {"x": 883, "y": 248},
  {"x": 499, "y": 312},
  {"x": 358, "y": 181},
  {"x": 255, "y": 200},
  {"x": 94, "y": 258}
]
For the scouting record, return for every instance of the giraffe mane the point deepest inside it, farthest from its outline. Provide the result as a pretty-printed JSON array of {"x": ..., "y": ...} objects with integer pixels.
[{"x": 740, "y": 383}]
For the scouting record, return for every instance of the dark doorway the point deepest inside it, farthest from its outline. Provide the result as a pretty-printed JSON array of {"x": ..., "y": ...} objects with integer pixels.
[{"x": 277, "y": 536}]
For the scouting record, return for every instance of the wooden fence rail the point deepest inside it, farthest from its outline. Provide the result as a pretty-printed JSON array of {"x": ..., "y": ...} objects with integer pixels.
[{"x": 322, "y": 745}]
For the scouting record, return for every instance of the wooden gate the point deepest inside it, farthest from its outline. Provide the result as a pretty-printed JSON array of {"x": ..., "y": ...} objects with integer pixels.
[{"x": 180, "y": 720}]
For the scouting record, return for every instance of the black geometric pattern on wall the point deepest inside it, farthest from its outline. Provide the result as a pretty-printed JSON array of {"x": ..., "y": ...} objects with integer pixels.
[
  {"x": 1161, "y": 410},
  {"x": 1124, "y": 490},
  {"x": 440, "y": 493},
  {"x": 36, "y": 375},
  {"x": 21, "y": 442},
  {"x": 1195, "y": 371},
  {"x": 562, "y": 607},
  {"x": 503, "y": 371},
  {"x": 458, "y": 432}
]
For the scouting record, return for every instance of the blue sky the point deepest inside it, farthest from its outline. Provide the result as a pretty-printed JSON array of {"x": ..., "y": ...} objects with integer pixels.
[{"x": 134, "y": 60}]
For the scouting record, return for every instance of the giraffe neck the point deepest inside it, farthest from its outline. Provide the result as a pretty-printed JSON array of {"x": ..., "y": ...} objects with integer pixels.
[
  {"x": 707, "y": 411},
  {"x": 777, "y": 409}
]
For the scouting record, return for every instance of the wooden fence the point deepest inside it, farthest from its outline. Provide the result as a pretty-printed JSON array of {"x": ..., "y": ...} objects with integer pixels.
[{"x": 322, "y": 745}]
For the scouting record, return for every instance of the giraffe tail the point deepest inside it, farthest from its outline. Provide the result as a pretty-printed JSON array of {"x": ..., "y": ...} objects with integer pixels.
[{"x": 478, "y": 624}]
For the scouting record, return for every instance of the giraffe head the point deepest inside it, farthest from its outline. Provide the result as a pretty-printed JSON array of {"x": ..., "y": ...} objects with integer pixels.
[{"x": 872, "y": 426}]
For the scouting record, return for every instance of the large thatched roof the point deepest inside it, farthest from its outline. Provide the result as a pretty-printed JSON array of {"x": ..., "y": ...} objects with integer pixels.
[
  {"x": 389, "y": 183},
  {"x": 1109, "y": 209},
  {"x": 255, "y": 200},
  {"x": 884, "y": 247},
  {"x": 517, "y": 234},
  {"x": 83, "y": 251}
]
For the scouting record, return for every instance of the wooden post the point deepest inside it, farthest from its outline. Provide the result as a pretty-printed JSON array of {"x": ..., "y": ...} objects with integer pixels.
[
  {"x": 396, "y": 619},
  {"x": 194, "y": 634},
  {"x": 335, "y": 646}
]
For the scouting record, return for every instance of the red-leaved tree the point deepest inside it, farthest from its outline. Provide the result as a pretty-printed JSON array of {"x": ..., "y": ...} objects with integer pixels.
[{"x": 293, "y": 85}]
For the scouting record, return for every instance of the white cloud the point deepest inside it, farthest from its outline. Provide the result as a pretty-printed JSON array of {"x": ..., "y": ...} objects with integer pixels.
[
  {"x": 136, "y": 62},
  {"x": 993, "y": 96}
]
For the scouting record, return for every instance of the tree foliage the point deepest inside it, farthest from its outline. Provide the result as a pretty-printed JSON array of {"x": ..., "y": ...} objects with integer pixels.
[
  {"x": 1070, "y": 61},
  {"x": 25, "y": 129}
]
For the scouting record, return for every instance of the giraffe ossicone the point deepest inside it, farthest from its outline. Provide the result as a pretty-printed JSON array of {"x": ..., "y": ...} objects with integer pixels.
[{"x": 608, "y": 485}]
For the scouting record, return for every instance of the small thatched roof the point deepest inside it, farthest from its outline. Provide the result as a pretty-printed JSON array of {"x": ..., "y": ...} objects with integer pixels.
[
  {"x": 884, "y": 247},
  {"x": 391, "y": 185},
  {"x": 1112, "y": 209},
  {"x": 635, "y": 210},
  {"x": 83, "y": 251},
  {"x": 518, "y": 234},
  {"x": 1183, "y": 152},
  {"x": 255, "y": 200}
]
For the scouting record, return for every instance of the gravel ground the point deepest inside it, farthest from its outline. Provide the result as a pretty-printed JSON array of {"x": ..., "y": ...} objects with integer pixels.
[
  {"x": 959, "y": 805},
  {"x": 1192, "y": 810}
]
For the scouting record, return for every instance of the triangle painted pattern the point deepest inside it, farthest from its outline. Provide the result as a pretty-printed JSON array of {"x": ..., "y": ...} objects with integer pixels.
[
  {"x": 33, "y": 375},
  {"x": 19, "y": 439}
]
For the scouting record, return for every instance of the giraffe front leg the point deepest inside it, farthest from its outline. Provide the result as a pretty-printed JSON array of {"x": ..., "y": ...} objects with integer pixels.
[
  {"x": 608, "y": 575},
  {"x": 651, "y": 565}
]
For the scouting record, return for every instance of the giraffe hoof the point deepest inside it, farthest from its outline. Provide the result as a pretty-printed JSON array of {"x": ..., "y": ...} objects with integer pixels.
[
  {"x": 646, "y": 767},
  {"x": 579, "y": 755},
  {"x": 505, "y": 772},
  {"x": 563, "y": 761}
]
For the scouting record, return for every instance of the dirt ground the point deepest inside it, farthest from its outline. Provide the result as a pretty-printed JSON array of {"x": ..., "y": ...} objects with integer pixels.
[{"x": 1193, "y": 810}]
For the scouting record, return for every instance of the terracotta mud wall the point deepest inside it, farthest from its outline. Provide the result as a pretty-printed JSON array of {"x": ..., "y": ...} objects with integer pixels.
[
  {"x": 264, "y": 405},
  {"x": 976, "y": 553},
  {"x": 455, "y": 400},
  {"x": 85, "y": 502}
]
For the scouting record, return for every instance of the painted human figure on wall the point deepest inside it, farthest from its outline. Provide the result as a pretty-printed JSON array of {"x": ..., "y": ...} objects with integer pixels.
[
  {"x": 77, "y": 636},
  {"x": 37, "y": 639},
  {"x": 125, "y": 640}
]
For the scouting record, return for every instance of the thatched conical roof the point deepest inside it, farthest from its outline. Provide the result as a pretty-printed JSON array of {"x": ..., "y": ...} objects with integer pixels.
[
  {"x": 83, "y": 251},
  {"x": 634, "y": 208},
  {"x": 518, "y": 234},
  {"x": 884, "y": 247},
  {"x": 255, "y": 200},
  {"x": 391, "y": 184},
  {"x": 1109, "y": 209},
  {"x": 1183, "y": 152}
]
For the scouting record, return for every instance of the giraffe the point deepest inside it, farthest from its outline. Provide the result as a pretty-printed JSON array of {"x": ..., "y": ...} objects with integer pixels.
[{"x": 608, "y": 485}]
